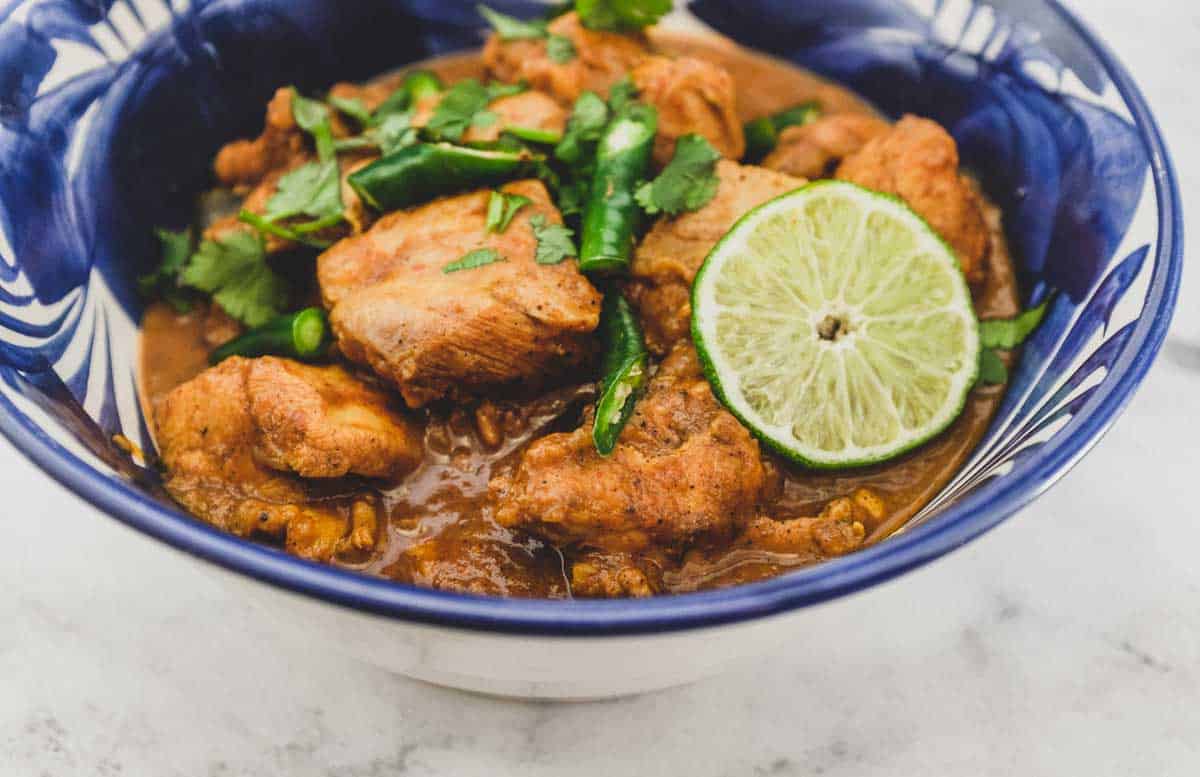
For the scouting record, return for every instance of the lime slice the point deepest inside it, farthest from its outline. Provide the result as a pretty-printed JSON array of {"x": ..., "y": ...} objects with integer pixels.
[{"x": 837, "y": 326}]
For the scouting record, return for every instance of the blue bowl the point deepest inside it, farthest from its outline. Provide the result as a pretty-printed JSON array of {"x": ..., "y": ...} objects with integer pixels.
[{"x": 110, "y": 111}]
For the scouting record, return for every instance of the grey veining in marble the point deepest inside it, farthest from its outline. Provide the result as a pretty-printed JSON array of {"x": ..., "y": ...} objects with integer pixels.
[{"x": 1066, "y": 642}]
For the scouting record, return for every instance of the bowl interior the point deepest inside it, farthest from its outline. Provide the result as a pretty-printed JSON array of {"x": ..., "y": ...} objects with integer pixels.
[{"x": 111, "y": 111}]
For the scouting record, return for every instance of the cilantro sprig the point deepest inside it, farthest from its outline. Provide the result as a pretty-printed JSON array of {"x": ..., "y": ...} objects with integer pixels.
[
  {"x": 502, "y": 207},
  {"x": 312, "y": 190},
  {"x": 687, "y": 183},
  {"x": 480, "y": 257},
  {"x": 554, "y": 241},
  {"x": 621, "y": 15},
  {"x": 560, "y": 49},
  {"x": 163, "y": 281},
  {"x": 1002, "y": 335},
  {"x": 234, "y": 270},
  {"x": 465, "y": 105},
  {"x": 512, "y": 28},
  {"x": 584, "y": 128}
]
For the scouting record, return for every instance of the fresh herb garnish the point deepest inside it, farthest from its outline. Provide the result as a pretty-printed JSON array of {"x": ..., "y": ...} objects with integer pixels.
[
  {"x": 512, "y": 28},
  {"x": 313, "y": 189},
  {"x": 1011, "y": 332},
  {"x": 477, "y": 258},
  {"x": 496, "y": 90},
  {"x": 584, "y": 129},
  {"x": 577, "y": 152},
  {"x": 352, "y": 107},
  {"x": 234, "y": 270},
  {"x": 554, "y": 241},
  {"x": 687, "y": 183},
  {"x": 456, "y": 112},
  {"x": 465, "y": 105},
  {"x": 1005, "y": 334},
  {"x": 560, "y": 49},
  {"x": 502, "y": 207},
  {"x": 992, "y": 371},
  {"x": 394, "y": 132},
  {"x": 313, "y": 117},
  {"x": 163, "y": 280},
  {"x": 621, "y": 15},
  {"x": 621, "y": 94}
]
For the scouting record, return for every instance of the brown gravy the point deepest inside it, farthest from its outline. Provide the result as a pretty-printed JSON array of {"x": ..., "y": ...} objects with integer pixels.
[{"x": 443, "y": 503}]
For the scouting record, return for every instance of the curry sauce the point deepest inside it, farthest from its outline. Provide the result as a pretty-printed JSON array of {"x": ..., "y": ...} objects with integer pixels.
[{"x": 436, "y": 524}]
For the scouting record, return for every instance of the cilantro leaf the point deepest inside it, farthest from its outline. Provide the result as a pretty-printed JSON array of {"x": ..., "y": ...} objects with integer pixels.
[
  {"x": 465, "y": 105},
  {"x": 163, "y": 280},
  {"x": 1003, "y": 335},
  {"x": 502, "y": 207},
  {"x": 457, "y": 110},
  {"x": 1009, "y": 333},
  {"x": 235, "y": 272},
  {"x": 992, "y": 371},
  {"x": 394, "y": 132},
  {"x": 496, "y": 90},
  {"x": 312, "y": 190},
  {"x": 352, "y": 107},
  {"x": 554, "y": 241},
  {"x": 560, "y": 49},
  {"x": 687, "y": 183},
  {"x": 398, "y": 102},
  {"x": 512, "y": 28},
  {"x": 485, "y": 119},
  {"x": 584, "y": 128},
  {"x": 313, "y": 117},
  {"x": 621, "y": 15},
  {"x": 477, "y": 258},
  {"x": 621, "y": 94}
]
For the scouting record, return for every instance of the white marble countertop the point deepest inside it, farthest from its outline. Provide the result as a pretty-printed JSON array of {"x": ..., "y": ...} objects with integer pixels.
[{"x": 1066, "y": 642}]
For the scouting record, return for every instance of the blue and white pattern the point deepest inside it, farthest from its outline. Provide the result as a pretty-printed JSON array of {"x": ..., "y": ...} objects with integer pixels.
[{"x": 111, "y": 109}]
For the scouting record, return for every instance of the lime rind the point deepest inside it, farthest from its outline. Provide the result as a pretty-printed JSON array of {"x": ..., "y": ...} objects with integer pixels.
[{"x": 897, "y": 380}]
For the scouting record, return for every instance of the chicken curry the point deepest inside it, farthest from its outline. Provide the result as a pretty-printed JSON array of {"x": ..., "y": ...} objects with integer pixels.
[{"x": 445, "y": 430}]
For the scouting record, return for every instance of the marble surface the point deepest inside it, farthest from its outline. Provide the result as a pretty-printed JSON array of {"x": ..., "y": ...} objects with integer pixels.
[{"x": 1065, "y": 642}]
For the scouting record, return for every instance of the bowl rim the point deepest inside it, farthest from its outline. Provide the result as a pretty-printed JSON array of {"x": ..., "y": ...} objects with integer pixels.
[{"x": 954, "y": 527}]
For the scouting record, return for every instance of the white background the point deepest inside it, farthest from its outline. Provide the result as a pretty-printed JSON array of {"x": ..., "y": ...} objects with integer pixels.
[{"x": 1066, "y": 642}]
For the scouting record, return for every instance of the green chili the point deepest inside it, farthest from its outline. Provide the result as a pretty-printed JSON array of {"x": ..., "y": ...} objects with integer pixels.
[
  {"x": 762, "y": 135},
  {"x": 612, "y": 215},
  {"x": 420, "y": 173},
  {"x": 625, "y": 371},
  {"x": 304, "y": 336}
]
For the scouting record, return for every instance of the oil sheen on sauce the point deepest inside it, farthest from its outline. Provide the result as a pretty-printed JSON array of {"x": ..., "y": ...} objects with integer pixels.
[{"x": 440, "y": 512}]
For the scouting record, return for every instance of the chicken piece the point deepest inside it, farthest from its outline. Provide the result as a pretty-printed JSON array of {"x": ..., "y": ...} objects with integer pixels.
[
  {"x": 601, "y": 60},
  {"x": 814, "y": 150},
  {"x": 479, "y": 557},
  {"x": 244, "y": 163},
  {"x": 917, "y": 161},
  {"x": 435, "y": 334},
  {"x": 235, "y": 439},
  {"x": 683, "y": 468},
  {"x": 319, "y": 422},
  {"x": 839, "y": 529},
  {"x": 692, "y": 96},
  {"x": 613, "y": 575},
  {"x": 666, "y": 261}
]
